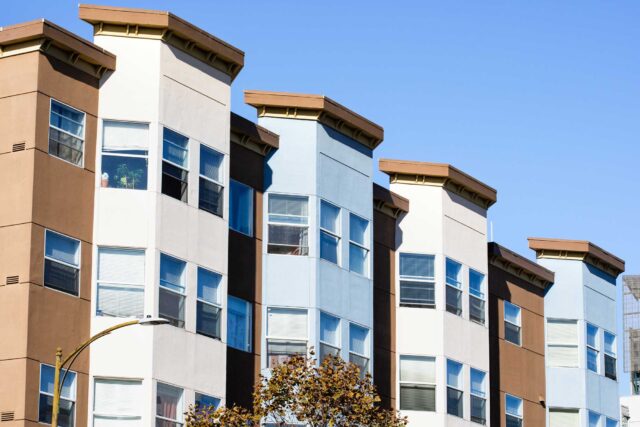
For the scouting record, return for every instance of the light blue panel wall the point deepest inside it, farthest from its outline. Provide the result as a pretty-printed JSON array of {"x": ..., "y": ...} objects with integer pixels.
[
  {"x": 609, "y": 400},
  {"x": 600, "y": 310},
  {"x": 331, "y": 293},
  {"x": 564, "y": 299},
  {"x": 289, "y": 281},
  {"x": 566, "y": 387},
  {"x": 360, "y": 300}
]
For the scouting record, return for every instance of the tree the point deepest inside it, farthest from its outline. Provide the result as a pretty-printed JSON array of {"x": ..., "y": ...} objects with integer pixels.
[{"x": 298, "y": 391}]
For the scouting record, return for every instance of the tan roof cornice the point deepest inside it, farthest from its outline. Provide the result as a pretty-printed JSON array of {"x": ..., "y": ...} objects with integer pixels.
[
  {"x": 577, "y": 249},
  {"x": 50, "y": 39},
  {"x": 153, "y": 24},
  {"x": 514, "y": 263},
  {"x": 316, "y": 107},
  {"x": 388, "y": 202},
  {"x": 247, "y": 133},
  {"x": 441, "y": 174}
]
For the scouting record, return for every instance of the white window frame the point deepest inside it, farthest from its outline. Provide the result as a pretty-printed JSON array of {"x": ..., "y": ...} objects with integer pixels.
[
  {"x": 119, "y": 285},
  {"x": 115, "y": 416},
  {"x": 482, "y": 396},
  {"x": 613, "y": 355},
  {"x": 594, "y": 413},
  {"x": 249, "y": 312},
  {"x": 251, "y": 208},
  {"x": 417, "y": 279},
  {"x": 449, "y": 386},
  {"x": 136, "y": 156},
  {"x": 517, "y": 325},
  {"x": 367, "y": 346},
  {"x": 564, "y": 345},
  {"x": 366, "y": 239},
  {"x": 330, "y": 233},
  {"x": 182, "y": 294},
  {"x": 197, "y": 393},
  {"x": 217, "y": 305},
  {"x": 431, "y": 359},
  {"x": 179, "y": 409},
  {"x": 457, "y": 285},
  {"x": 221, "y": 174},
  {"x": 84, "y": 131},
  {"x": 277, "y": 338},
  {"x": 184, "y": 168},
  {"x": 62, "y": 374},
  {"x": 287, "y": 224},
  {"x": 482, "y": 296},
  {"x": 519, "y": 416},
  {"x": 335, "y": 346},
  {"x": 78, "y": 267},
  {"x": 589, "y": 347}
]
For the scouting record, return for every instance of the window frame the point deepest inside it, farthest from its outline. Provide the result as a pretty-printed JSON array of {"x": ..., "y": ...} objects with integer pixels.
[
  {"x": 183, "y": 168},
  {"x": 252, "y": 213},
  {"x": 276, "y": 223},
  {"x": 280, "y": 339},
  {"x": 518, "y": 326},
  {"x": 418, "y": 384},
  {"x": 482, "y": 297},
  {"x": 206, "y": 178},
  {"x": 563, "y": 345},
  {"x": 590, "y": 349},
  {"x": 115, "y": 416},
  {"x": 334, "y": 346},
  {"x": 507, "y": 414},
  {"x": 608, "y": 421},
  {"x": 366, "y": 238},
  {"x": 482, "y": 396},
  {"x": 417, "y": 279},
  {"x": 612, "y": 355},
  {"x": 121, "y": 286},
  {"x": 217, "y": 304},
  {"x": 367, "y": 352},
  {"x": 134, "y": 156},
  {"x": 84, "y": 131},
  {"x": 461, "y": 390},
  {"x": 75, "y": 390},
  {"x": 595, "y": 414},
  {"x": 335, "y": 235},
  {"x": 179, "y": 407},
  {"x": 78, "y": 267},
  {"x": 197, "y": 393},
  {"x": 249, "y": 316},
  {"x": 182, "y": 294},
  {"x": 457, "y": 287}
]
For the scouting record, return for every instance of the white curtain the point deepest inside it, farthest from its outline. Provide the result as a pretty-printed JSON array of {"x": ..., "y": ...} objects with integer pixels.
[
  {"x": 563, "y": 418},
  {"x": 417, "y": 265},
  {"x": 287, "y": 323},
  {"x": 118, "y": 136},
  {"x": 117, "y": 397},
  {"x": 121, "y": 266},
  {"x": 418, "y": 369},
  {"x": 563, "y": 332}
]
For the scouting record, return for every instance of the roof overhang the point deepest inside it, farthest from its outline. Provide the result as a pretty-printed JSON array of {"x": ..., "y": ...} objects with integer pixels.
[
  {"x": 50, "y": 39},
  {"x": 161, "y": 25},
  {"x": 579, "y": 250},
  {"x": 521, "y": 267},
  {"x": 316, "y": 107},
  {"x": 388, "y": 202},
  {"x": 252, "y": 136},
  {"x": 439, "y": 174}
]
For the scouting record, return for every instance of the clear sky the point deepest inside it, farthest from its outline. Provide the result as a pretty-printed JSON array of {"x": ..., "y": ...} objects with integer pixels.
[{"x": 540, "y": 100}]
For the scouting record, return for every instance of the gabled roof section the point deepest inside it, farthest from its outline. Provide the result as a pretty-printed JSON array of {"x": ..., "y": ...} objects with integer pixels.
[
  {"x": 50, "y": 39},
  {"x": 161, "y": 25},
  {"x": 577, "y": 249},
  {"x": 316, "y": 107},
  {"x": 441, "y": 174},
  {"x": 514, "y": 263},
  {"x": 388, "y": 202},
  {"x": 253, "y": 136}
]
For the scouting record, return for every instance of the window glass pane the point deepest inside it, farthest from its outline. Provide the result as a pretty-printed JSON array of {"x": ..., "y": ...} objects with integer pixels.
[
  {"x": 279, "y": 351},
  {"x": 124, "y": 172},
  {"x": 361, "y": 362},
  {"x": 594, "y": 419},
  {"x": 477, "y": 382},
  {"x": 175, "y": 148},
  {"x": 454, "y": 374},
  {"x": 357, "y": 259},
  {"x": 592, "y": 336},
  {"x": 204, "y": 401},
  {"x": 415, "y": 397},
  {"x": 612, "y": 423},
  {"x": 61, "y": 277},
  {"x": 454, "y": 300},
  {"x": 592, "y": 360},
  {"x": 512, "y": 333},
  {"x": 453, "y": 273},
  {"x": 418, "y": 369},
  {"x": 239, "y": 324},
  {"x": 328, "y": 247},
  {"x": 174, "y": 182},
  {"x": 117, "y": 398},
  {"x": 418, "y": 266},
  {"x": 208, "y": 320},
  {"x": 171, "y": 307},
  {"x": 211, "y": 163},
  {"x": 609, "y": 343},
  {"x": 513, "y": 405},
  {"x": 288, "y": 209},
  {"x": 511, "y": 313},
  {"x": 46, "y": 382},
  {"x": 329, "y": 215},
  {"x": 169, "y": 402},
  {"x": 208, "y": 285},
  {"x": 65, "y": 146},
  {"x": 66, "y": 412},
  {"x": 210, "y": 197},
  {"x": 62, "y": 248},
  {"x": 454, "y": 402},
  {"x": 475, "y": 284},
  {"x": 419, "y": 294},
  {"x": 476, "y": 309},
  {"x": 330, "y": 329},
  {"x": 287, "y": 323},
  {"x": 358, "y": 229},
  {"x": 288, "y": 240},
  {"x": 172, "y": 273},
  {"x": 241, "y": 208},
  {"x": 478, "y": 409},
  {"x": 358, "y": 339},
  {"x": 67, "y": 118}
]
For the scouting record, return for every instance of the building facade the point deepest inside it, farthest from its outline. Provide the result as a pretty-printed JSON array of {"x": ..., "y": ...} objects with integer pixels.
[{"x": 630, "y": 405}]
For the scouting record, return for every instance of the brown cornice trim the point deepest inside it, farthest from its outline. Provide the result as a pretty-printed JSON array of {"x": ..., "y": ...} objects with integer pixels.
[
  {"x": 51, "y": 39},
  {"x": 316, "y": 107},
  {"x": 577, "y": 249},
  {"x": 514, "y": 263},
  {"x": 388, "y": 202},
  {"x": 439, "y": 174},
  {"x": 161, "y": 25},
  {"x": 247, "y": 133}
]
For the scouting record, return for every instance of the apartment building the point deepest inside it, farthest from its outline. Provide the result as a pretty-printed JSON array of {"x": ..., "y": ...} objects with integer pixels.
[
  {"x": 630, "y": 405},
  {"x": 441, "y": 289},
  {"x": 581, "y": 342},
  {"x": 517, "y": 287}
]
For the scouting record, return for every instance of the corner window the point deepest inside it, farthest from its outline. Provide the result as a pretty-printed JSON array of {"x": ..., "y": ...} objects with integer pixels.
[
  {"x": 61, "y": 263},
  {"x": 417, "y": 280},
  {"x": 239, "y": 320},
  {"x": 211, "y": 184},
  {"x": 478, "y": 396},
  {"x": 512, "y": 323},
  {"x": 288, "y": 225},
  {"x": 593, "y": 348},
  {"x": 169, "y": 407},
  {"x": 208, "y": 306},
  {"x": 172, "y": 290},
  {"x": 359, "y": 347},
  {"x": 203, "y": 401},
  {"x": 329, "y": 232},
  {"x": 417, "y": 383},
  {"x": 66, "y": 133},
  {"x": 358, "y": 244},
  {"x": 611, "y": 422},
  {"x": 329, "y": 336},
  {"x": 610, "y": 355},
  {"x": 477, "y": 297},
  {"x": 66, "y": 414},
  {"x": 454, "y": 287},
  {"x": 117, "y": 402},
  {"x": 594, "y": 419},
  {"x": 241, "y": 208},
  {"x": 286, "y": 334},
  {"x": 175, "y": 165},
  {"x": 564, "y": 417},
  {"x": 454, "y": 389},
  {"x": 120, "y": 284},
  {"x": 562, "y": 343},
  {"x": 125, "y": 155},
  {"x": 513, "y": 411}
]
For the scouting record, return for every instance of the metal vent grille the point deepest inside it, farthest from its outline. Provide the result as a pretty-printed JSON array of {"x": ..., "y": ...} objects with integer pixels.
[
  {"x": 19, "y": 147},
  {"x": 7, "y": 416},
  {"x": 13, "y": 280}
]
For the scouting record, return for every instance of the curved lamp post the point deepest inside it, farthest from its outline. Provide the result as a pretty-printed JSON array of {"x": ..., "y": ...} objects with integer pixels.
[{"x": 60, "y": 363}]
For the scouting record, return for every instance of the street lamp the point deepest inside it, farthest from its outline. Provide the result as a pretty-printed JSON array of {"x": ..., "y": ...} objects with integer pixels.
[{"x": 57, "y": 384}]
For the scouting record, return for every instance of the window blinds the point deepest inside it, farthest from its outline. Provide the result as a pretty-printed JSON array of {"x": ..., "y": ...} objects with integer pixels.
[
  {"x": 287, "y": 323},
  {"x": 125, "y": 136},
  {"x": 562, "y": 332},
  {"x": 418, "y": 369},
  {"x": 563, "y": 418},
  {"x": 121, "y": 266},
  {"x": 117, "y": 397},
  {"x": 416, "y": 265}
]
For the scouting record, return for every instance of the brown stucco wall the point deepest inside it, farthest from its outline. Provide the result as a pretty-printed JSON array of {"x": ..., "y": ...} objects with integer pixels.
[{"x": 516, "y": 370}]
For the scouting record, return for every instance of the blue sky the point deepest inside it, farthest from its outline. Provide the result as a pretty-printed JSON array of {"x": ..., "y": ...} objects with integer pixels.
[{"x": 540, "y": 100}]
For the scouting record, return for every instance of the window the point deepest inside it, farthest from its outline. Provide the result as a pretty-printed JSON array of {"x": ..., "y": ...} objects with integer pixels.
[
  {"x": 286, "y": 334},
  {"x": 513, "y": 411},
  {"x": 61, "y": 263},
  {"x": 417, "y": 281},
  {"x": 329, "y": 231},
  {"x": 611, "y": 423},
  {"x": 592, "y": 348},
  {"x": 66, "y": 414},
  {"x": 175, "y": 164},
  {"x": 329, "y": 336},
  {"x": 476, "y": 296},
  {"x": 562, "y": 343},
  {"x": 66, "y": 133},
  {"x": 241, "y": 208},
  {"x": 610, "y": 357},
  {"x": 172, "y": 289},
  {"x": 454, "y": 388},
  {"x": 564, "y": 417},
  {"x": 211, "y": 184},
  {"x": 512, "y": 323},
  {"x": 125, "y": 155},
  {"x": 418, "y": 383},
  {"x": 288, "y": 225},
  {"x": 454, "y": 287},
  {"x": 239, "y": 320},
  {"x": 594, "y": 419},
  {"x": 358, "y": 245},
  {"x": 208, "y": 307},
  {"x": 120, "y": 287},
  {"x": 478, "y": 396},
  {"x": 203, "y": 401},
  {"x": 169, "y": 412},
  {"x": 359, "y": 347},
  {"x": 117, "y": 402}
]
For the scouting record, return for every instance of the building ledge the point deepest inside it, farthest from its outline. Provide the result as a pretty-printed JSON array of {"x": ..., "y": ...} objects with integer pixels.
[
  {"x": 388, "y": 202},
  {"x": 514, "y": 263},
  {"x": 248, "y": 134}
]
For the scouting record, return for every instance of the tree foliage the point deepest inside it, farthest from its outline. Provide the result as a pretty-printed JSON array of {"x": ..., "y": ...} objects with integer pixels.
[{"x": 299, "y": 391}]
